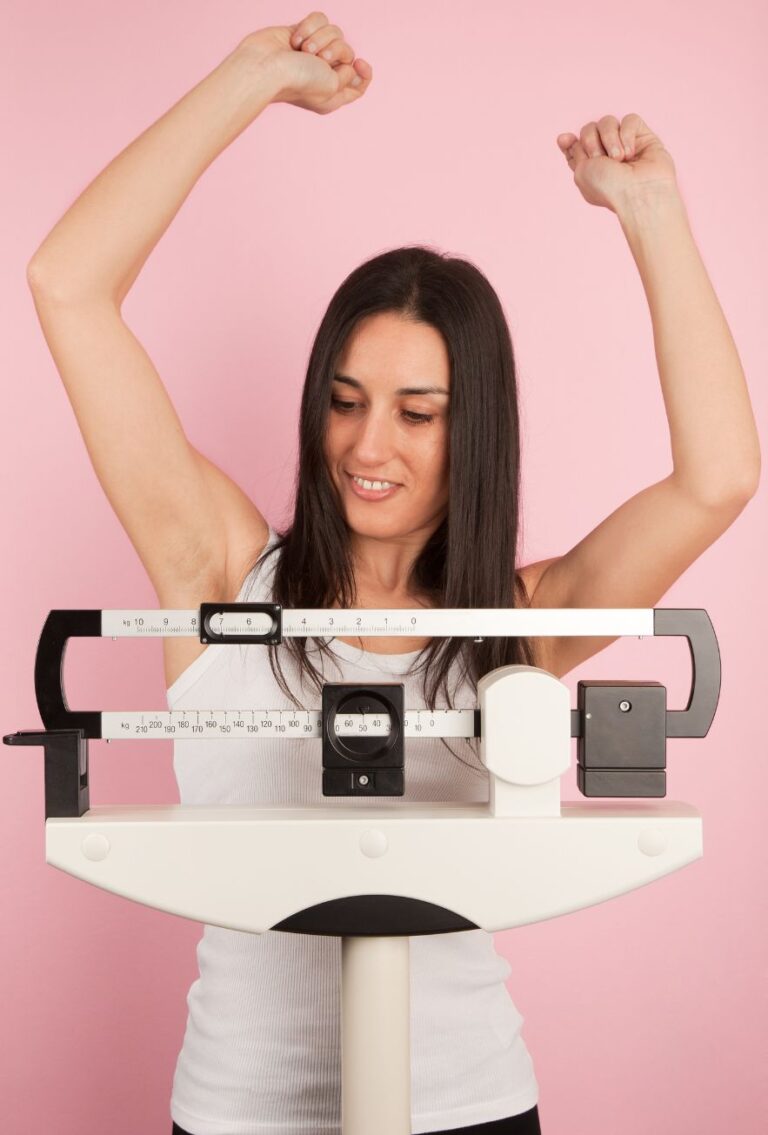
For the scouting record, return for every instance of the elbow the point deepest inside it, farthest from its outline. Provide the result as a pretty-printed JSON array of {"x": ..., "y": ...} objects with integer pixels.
[
  {"x": 737, "y": 492},
  {"x": 41, "y": 281},
  {"x": 737, "y": 498},
  {"x": 752, "y": 487},
  {"x": 34, "y": 275},
  {"x": 53, "y": 288},
  {"x": 750, "y": 482}
]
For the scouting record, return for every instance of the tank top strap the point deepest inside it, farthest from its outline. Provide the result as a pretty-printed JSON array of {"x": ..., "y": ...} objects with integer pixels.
[{"x": 257, "y": 585}]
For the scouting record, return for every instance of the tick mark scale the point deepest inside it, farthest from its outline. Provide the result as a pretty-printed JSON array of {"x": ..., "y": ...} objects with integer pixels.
[
  {"x": 487, "y": 622},
  {"x": 194, "y": 724}
]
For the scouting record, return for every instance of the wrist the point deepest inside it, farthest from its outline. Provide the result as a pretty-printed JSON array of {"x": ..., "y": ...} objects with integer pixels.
[
  {"x": 259, "y": 69},
  {"x": 643, "y": 207}
]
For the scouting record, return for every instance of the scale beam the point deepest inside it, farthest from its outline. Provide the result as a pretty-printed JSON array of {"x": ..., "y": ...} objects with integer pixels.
[{"x": 248, "y": 626}]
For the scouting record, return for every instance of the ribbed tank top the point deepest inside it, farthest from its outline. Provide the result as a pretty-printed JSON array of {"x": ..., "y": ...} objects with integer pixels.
[{"x": 262, "y": 1048}]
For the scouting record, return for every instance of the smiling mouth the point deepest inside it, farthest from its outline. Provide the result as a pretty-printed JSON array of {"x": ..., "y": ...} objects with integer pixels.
[
  {"x": 363, "y": 493},
  {"x": 373, "y": 480}
]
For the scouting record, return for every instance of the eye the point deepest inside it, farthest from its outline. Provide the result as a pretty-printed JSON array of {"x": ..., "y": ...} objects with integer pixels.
[
  {"x": 414, "y": 418},
  {"x": 417, "y": 418}
]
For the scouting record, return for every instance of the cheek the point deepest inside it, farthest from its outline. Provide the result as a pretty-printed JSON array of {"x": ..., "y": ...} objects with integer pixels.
[
  {"x": 433, "y": 469},
  {"x": 335, "y": 434},
  {"x": 440, "y": 456}
]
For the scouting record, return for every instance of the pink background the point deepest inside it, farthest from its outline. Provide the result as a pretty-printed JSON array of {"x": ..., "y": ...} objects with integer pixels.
[{"x": 645, "y": 1013}]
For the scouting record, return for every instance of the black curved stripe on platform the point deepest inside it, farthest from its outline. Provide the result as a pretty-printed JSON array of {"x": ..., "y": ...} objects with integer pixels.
[{"x": 379, "y": 916}]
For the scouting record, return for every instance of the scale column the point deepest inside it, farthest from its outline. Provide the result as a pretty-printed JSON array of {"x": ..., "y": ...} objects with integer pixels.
[{"x": 375, "y": 1036}]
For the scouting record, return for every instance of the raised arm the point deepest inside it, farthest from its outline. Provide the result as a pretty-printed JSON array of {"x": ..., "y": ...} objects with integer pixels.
[
  {"x": 190, "y": 524},
  {"x": 180, "y": 512}
]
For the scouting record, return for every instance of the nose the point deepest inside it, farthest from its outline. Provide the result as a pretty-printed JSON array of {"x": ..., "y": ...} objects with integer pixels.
[{"x": 374, "y": 441}]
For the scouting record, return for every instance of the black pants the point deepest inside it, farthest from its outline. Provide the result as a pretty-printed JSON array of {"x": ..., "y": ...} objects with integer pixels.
[{"x": 525, "y": 1124}]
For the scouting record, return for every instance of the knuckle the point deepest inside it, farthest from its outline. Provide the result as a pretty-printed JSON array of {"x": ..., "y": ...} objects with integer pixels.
[{"x": 312, "y": 22}]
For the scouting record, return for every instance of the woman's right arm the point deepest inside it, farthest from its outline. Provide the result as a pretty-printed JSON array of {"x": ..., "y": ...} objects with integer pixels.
[
  {"x": 166, "y": 495},
  {"x": 191, "y": 525}
]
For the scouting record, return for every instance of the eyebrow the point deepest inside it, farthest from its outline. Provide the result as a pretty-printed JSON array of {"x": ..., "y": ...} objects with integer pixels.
[{"x": 403, "y": 389}]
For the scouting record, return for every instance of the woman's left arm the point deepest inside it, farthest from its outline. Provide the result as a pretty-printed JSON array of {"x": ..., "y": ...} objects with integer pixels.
[
  {"x": 634, "y": 556},
  {"x": 715, "y": 448}
]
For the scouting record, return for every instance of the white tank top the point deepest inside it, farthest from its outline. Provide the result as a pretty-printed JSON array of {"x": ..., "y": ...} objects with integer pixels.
[{"x": 262, "y": 1048}]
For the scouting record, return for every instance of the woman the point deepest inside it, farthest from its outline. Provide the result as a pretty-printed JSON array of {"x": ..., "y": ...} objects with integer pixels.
[{"x": 407, "y": 495}]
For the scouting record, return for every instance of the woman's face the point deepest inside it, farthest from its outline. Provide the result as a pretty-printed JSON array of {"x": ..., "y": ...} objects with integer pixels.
[{"x": 380, "y": 433}]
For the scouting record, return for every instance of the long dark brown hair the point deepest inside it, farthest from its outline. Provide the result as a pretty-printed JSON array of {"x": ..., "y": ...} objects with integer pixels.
[{"x": 470, "y": 559}]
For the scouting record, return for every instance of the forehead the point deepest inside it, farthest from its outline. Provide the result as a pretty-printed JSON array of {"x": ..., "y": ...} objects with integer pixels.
[{"x": 389, "y": 352}]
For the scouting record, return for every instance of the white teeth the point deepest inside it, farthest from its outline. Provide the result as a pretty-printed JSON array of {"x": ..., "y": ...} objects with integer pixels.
[{"x": 378, "y": 485}]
